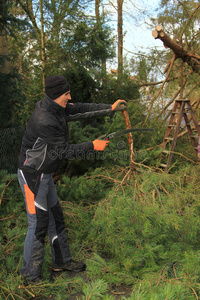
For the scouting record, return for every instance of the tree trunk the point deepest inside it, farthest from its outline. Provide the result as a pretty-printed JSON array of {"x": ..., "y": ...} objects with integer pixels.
[
  {"x": 6, "y": 105},
  {"x": 5, "y": 65},
  {"x": 103, "y": 60},
  {"x": 120, "y": 37},
  {"x": 28, "y": 8},
  {"x": 191, "y": 59},
  {"x": 97, "y": 5},
  {"x": 42, "y": 45}
]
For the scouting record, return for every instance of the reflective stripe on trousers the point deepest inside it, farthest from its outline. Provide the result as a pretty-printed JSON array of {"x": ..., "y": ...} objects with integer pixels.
[{"x": 44, "y": 216}]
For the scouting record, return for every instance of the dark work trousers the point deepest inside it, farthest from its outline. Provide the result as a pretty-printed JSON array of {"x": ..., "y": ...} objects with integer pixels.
[{"x": 44, "y": 216}]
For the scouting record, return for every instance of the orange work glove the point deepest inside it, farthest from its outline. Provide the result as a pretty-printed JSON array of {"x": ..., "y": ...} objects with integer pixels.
[
  {"x": 119, "y": 105},
  {"x": 100, "y": 145}
]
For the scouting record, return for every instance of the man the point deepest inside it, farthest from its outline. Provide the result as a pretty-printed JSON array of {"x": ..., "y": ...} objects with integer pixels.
[{"x": 44, "y": 146}]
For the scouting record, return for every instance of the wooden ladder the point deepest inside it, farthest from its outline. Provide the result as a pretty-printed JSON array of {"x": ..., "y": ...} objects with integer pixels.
[{"x": 180, "y": 110}]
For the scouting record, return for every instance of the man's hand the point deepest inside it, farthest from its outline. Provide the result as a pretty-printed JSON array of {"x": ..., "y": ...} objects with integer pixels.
[
  {"x": 100, "y": 145},
  {"x": 119, "y": 105}
]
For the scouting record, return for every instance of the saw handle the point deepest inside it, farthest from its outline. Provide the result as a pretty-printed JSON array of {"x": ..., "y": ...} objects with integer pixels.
[{"x": 119, "y": 105}]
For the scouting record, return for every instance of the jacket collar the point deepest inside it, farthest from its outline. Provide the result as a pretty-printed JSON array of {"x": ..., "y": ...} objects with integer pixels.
[{"x": 53, "y": 105}]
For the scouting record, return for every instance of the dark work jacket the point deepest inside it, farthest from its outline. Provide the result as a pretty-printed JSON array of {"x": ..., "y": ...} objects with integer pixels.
[{"x": 45, "y": 141}]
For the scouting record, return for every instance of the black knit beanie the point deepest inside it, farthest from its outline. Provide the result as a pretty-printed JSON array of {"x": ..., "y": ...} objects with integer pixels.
[{"x": 55, "y": 86}]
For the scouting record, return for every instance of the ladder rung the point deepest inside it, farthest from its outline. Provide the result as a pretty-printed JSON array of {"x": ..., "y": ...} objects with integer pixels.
[
  {"x": 171, "y": 125},
  {"x": 194, "y": 136},
  {"x": 163, "y": 165},
  {"x": 182, "y": 100},
  {"x": 178, "y": 112},
  {"x": 166, "y": 151}
]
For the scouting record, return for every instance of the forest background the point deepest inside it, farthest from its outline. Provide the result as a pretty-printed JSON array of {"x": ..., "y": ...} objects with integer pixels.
[{"x": 137, "y": 231}]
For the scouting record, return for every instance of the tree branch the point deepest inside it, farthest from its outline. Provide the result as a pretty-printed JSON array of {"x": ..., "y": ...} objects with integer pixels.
[
  {"x": 155, "y": 83},
  {"x": 160, "y": 89},
  {"x": 191, "y": 59},
  {"x": 28, "y": 8}
]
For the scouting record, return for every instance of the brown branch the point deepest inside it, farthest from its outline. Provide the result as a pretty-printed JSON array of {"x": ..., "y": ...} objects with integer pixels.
[
  {"x": 172, "y": 100},
  {"x": 158, "y": 82},
  {"x": 29, "y": 11},
  {"x": 130, "y": 139},
  {"x": 4, "y": 189},
  {"x": 188, "y": 20},
  {"x": 179, "y": 52},
  {"x": 176, "y": 95},
  {"x": 160, "y": 89}
]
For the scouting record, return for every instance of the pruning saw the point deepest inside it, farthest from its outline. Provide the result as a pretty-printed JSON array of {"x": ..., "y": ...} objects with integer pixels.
[{"x": 121, "y": 133}]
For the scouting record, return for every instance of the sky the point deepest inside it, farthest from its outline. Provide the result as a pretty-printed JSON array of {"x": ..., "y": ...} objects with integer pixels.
[{"x": 138, "y": 35}]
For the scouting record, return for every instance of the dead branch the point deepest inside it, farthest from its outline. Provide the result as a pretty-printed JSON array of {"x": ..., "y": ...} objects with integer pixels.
[
  {"x": 188, "y": 20},
  {"x": 158, "y": 82},
  {"x": 160, "y": 89},
  {"x": 4, "y": 189},
  {"x": 130, "y": 140},
  {"x": 179, "y": 52},
  {"x": 172, "y": 100}
]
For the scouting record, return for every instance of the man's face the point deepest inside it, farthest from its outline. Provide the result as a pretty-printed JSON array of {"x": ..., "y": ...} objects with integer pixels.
[{"x": 63, "y": 99}]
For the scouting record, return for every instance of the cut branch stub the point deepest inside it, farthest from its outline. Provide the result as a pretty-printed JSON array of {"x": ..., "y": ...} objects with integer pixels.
[
  {"x": 159, "y": 28},
  {"x": 179, "y": 51},
  {"x": 130, "y": 140},
  {"x": 158, "y": 32},
  {"x": 155, "y": 34}
]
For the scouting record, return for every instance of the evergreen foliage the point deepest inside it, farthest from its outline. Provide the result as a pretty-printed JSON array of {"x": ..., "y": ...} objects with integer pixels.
[
  {"x": 7, "y": 104},
  {"x": 10, "y": 92},
  {"x": 139, "y": 238}
]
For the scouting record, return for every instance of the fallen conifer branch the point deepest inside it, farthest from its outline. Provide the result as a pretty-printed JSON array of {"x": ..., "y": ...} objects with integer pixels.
[{"x": 4, "y": 189}]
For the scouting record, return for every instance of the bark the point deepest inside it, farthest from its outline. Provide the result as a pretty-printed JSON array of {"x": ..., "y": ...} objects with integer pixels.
[
  {"x": 130, "y": 141},
  {"x": 120, "y": 37},
  {"x": 5, "y": 68},
  {"x": 42, "y": 46},
  {"x": 5, "y": 65},
  {"x": 28, "y": 8},
  {"x": 97, "y": 14},
  {"x": 97, "y": 4},
  {"x": 191, "y": 59}
]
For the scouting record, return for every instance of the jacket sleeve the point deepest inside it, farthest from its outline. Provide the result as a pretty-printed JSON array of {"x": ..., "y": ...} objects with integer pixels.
[
  {"x": 79, "y": 111},
  {"x": 59, "y": 148}
]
